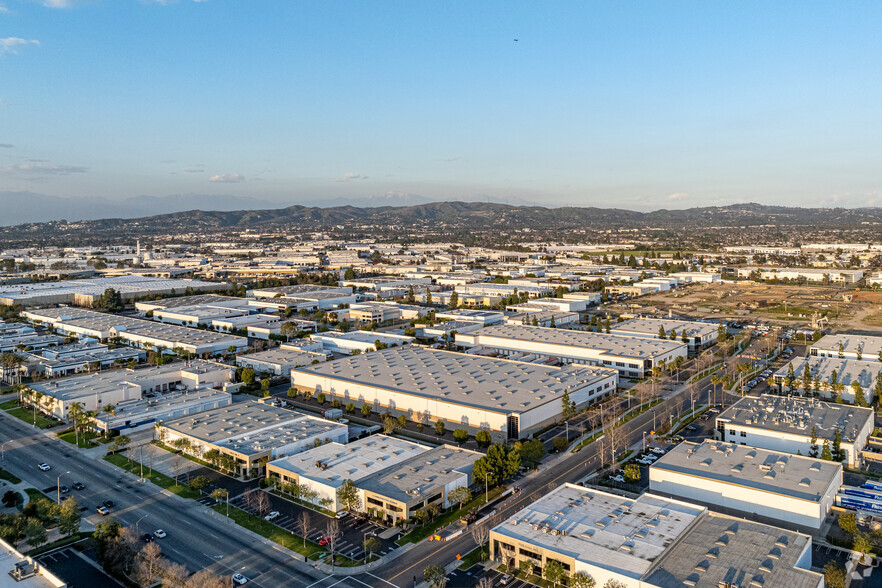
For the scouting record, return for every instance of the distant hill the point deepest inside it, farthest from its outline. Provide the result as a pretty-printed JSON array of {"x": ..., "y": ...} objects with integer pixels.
[{"x": 452, "y": 217}]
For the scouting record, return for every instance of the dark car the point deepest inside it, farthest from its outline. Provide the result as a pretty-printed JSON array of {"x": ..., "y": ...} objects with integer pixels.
[
  {"x": 78, "y": 486},
  {"x": 147, "y": 537},
  {"x": 64, "y": 489},
  {"x": 109, "y": 503}
]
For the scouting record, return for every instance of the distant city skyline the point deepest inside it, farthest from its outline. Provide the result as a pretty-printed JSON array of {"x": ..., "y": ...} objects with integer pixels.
[{"x": 638, "y": 106}]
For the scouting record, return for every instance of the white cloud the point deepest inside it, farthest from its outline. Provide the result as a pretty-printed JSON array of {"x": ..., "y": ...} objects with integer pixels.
[
  {"x": 227, "y": 178},
  {"x": 6, "y": 145},
  {"x": 11, "y": 44},
  {"x": 351, "y": 176},
  {"x": 36, "y": 168},
  {"x": 677, "y": 196},
  {"x": 3, "y": 8}
]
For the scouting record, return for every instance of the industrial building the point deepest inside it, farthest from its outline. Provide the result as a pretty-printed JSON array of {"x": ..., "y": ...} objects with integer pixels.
[
  {"x": 357, "y": 341},
  {"x": 539, "y": 316},
  {"x": 846, "y": 372},
  {"x": 831, "y": 275},
  {"x": 111, "y": 388},
  {"x": 650, "y": 542},
  {"x": 76, "y": 358},
  {"x": 484, "y": 317},
  {"x": 141, "y": 333},
  {"x": 511, "y": 399},
  {"x": 85, "y": 292},
  {"x": 252, "y": 433},
  {"x": 278, "y": 361},
  {"x": 780, "y": 488},
  {"x": 633, "y": 357},
  {"x": 848, "y": 346},
  {"x": 785, "y": 423},
  {"x": 696, "y": 334}
]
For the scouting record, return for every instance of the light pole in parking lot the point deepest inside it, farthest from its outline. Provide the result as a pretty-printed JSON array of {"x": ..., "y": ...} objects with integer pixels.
[
  {"x": 58, "y": 485},
  {"x": 137, "y": 527}
]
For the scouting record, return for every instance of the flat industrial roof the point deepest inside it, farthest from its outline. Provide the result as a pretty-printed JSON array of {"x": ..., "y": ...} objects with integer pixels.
[
  {"x": 353, "y": 461},
  {"x": 495, "y": 385},
  {"x": 67, "y": 389},
  {"x": 797, "y": 416},
  {"x": 196, "y": 300},
  {"x": 847, "y": 370},
  {"x": 623, "y": 535},
  {"x": 794, "y": 476},
  {"x": 870, "y": 346},
  {"x": 125, "y": 285},
  {"x": 650, "y": 326},
  {"x": 617, "y": 345},
  {"x": 413, "y": 478},
  {"x": 720, "y": 550},
  {"x": 361, "y": 337},
  {"x": 282, "y": 357},
  {"x": 258, "y": 441},
  {"x": 219, "y": 424}
]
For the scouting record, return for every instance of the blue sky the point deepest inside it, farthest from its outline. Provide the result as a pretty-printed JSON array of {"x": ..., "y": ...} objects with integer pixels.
[{"x": 638, "y": 105}]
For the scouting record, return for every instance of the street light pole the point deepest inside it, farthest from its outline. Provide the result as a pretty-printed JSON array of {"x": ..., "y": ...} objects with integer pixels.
[
  {"x": 486, "y": 494},
  {"x": 137, "y": 527},
  {"x": 58, "y": 486},
  {"x": 644, "y": 441}
]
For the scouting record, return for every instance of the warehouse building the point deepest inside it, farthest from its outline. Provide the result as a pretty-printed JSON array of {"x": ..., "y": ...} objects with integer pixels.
[
  {"x": 651, "y": 542},
  {"x": 374, "y": 312},
  {"x": 848, "y": 346},
  {"x": 779, "y": 488},
  {"x": 826, "y": 370},
  {"x": 135, "y": 415},
  {"x": 141, "y": 333},
  {"x": 697, "y": 334},
  {"x": 539, "y": 316},
  {"x": 785, "y": 423},
  {"x": 98, "y": 390},
  {"x": 484, "y": 317},
  {"x": 324, "y": 469},
  {"x": 85, "y": 292},
  {"x": 279, "y": 361},
  {"x": 252, "y": 433},
  {"x": 80, "y": 357},
  {"x": 834, "y": 275},
  {"x": 633, "y": 357},
  {"x": 511, "y": 399},
  {"x": 357, "y": 341}
]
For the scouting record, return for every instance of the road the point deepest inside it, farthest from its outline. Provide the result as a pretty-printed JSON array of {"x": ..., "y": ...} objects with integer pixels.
[{"x": 197, "y": 538}]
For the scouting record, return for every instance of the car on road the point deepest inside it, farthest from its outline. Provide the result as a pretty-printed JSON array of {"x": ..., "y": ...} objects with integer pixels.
[
  {"x": 274, "y": 514},
  {"x": 147, "y": 537},
  {"x": 78, "y": 486},
  {"x": 159, "y": 534},
  {"x": 103, "y": 511},
  {"x": 44, "y": 467},
  {"x": 239, "y": 579},
  {"x": 64, "y": 489},
  {"x": 108, "y": 504}
]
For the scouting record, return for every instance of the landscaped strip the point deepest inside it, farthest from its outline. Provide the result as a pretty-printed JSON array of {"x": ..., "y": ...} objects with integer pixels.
[
  {"x": 157, "y": 478},
  {"x": 27, "y": 415},
  {"x": 9, "y": 477},
  {"x": 420, "y": 533}
]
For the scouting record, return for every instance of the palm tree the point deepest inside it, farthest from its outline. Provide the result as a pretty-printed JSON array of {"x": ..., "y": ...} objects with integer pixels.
[
  {"x": 715, "y": 381},
  {"x": 109, "y": 410}
]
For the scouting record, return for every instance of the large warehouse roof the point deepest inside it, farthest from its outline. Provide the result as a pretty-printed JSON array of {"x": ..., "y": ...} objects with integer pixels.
[
  {"x": 650, "y": 326},
  {"x": 618, "y": 345},
  {"x": 491, "y": 384},
  {"x": 789, "y": 475}
]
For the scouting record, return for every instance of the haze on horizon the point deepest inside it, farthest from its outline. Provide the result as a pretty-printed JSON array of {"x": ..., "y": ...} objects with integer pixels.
[{"x": 638, "y": 106}]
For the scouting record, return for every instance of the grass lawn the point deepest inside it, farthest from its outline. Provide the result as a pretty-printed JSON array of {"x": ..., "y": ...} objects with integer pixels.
[
  {"x": 157, "y": 478},
  {"x": 27, "y": 415},
  {"x": 476, "y": 555},
  {"x": 9, "y": 477},
  {"x": 34, "y": 494},
  {"x": 9, "y": 404},
  {"x": 76, "y": 537},
  {"x": 276, "y": 534},
  {"x": 85, "y": 438},
  {"x": 445, "y": 519}
]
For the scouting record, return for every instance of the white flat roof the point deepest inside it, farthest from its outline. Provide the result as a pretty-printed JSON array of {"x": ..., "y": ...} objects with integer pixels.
[
  {"x": 495, "y": 385},
  {"x": 870, "y": 346},
  {"x": 847, "y": 370},
  {"x": 649, "y": 326},
  {"x": 623, "y": 535}
]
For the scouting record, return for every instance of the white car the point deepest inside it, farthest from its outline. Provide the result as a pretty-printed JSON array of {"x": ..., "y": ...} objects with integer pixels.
[
  {"x": 44, "y": 467},
  {"x": 159, "y": 534},
  {"x": 650, "y": 457},
  {"x": 239, "y": 579},
  {"x": 657, "y": 450},
  {"x": 617, "y": 478},
  {"x": 274, "y": 514},
  {"x": 644, "y": 461}
]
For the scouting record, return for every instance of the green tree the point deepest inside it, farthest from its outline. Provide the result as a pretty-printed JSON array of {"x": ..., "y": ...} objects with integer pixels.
[
  {"x": 247, "y": 376},
  {"x": 632, "y": 473},
  {"x": 292, "y": 392},
  {"x": 500, "y": 463},
  {"x": 440, "y": 427},
  {"x": 612, "y": 583},
  {"x": 288, "y": 329},
  {"x": 454, "y": 299},
  {"x": 581, "y": 580},
  {"x": 110, "y": 301},
  {"x": 349, "y": 274},
  {"x": 483, "y": 438},
  {"x": 825, "y": 452},
  {"x": 435, "y": 576},
  {"x": 390, "y": 425},
  {"x": 559, "y": 443},
  {"x": 320, "y": 398},
  {"x": 554, "y": 572},
  {"x": 806, "y": 378},
  {"x": 813, "y": 447},
  {"x": 372, "y": 545},
  {"x": 402, "y": 421},
  {"x": 567, "y": 406},
  {"x": 366, "y": 410},
  {"x": 69, "y": 517},
  {"x": 661, "y": 332},
  {"x": 836, "y": 450},
  {"x": 859, "y": 398},
  {"x": 460, "y": 436},
  {"x": 532, "y": 452},
  {"x": 862, "y": 544},
  {"x": 348, "y": 496},
  {"x": 349, "y": 408},
  {"x": 848, "y": 523},
  {"x": 834, "y": 575},
  {"x": 34, "y": 532},
  {"x": 459, "y": 495},
  {"x": 199, "y": 482}
]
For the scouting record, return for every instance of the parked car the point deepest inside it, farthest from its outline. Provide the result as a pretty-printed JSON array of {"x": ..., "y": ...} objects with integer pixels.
[
  {"x": 63, "y": 489},
  {"x": 274, "y": 514},
  {"x": 324, "y": 541},
  {"x": 103, "y": 511},
  {"x": 691, "y": 428},
  {"x": 645, "y": 462},
  {"x": 657, "y": 450},
  {"x": 78, "y": 486},
  {"x": 44, "y": 467},
  {"x": 617, "y": 478},
  {"x": 159, "y": 534},
  {"x": 505, "y": 579},
  {"x": 109, "y": 503},
  {"x": 239, "y": 579},
  {"x": 342, "y": 514}
]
